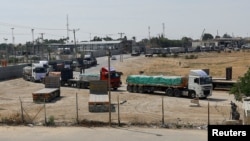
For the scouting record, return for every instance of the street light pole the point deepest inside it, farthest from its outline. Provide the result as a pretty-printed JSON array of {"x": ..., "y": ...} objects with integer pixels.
[
  {"x": 6, "y": 49},
  {"x": 33, "y": 46},
  {"x": 13, "y": 38},
  {"x": 13, "y": 42}
]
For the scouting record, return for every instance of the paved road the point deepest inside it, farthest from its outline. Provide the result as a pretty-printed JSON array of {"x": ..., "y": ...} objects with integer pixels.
[{"x": 15, "y": 133}]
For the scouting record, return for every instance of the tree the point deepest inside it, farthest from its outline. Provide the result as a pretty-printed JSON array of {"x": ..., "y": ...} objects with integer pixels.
[
  {"x": 134, "y": 38},
  {"x": 226, "y": 36},
  {"x": 107, "y": 38},
  {"x": 97, "y": 39},
  {"x": 207, "y": 36},
  {"x": 187, "y": 42},
  {"x": 241, "y": 88}
]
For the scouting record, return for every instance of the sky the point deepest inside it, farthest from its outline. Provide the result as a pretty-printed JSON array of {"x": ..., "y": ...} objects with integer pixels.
[{"x": 115, "y": 18}]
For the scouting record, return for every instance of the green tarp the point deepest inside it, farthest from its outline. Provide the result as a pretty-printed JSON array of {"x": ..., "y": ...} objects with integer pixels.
[
  {"x": 155, "y": 80},
  {"x": 89, "y": 76}
]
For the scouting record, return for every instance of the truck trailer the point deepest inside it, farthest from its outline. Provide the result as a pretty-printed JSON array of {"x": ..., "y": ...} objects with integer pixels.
[
  {"x": 50, "y": 91},
  {"x": 84, "y": 79},
  {"x": 223, "y": 83},
  {"x": 196, "y": 85}
]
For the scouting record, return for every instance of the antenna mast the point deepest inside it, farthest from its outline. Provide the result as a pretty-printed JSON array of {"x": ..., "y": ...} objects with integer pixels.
[
  {"x": 67, "y": 29},
  {"x": 163, "y": 26}
]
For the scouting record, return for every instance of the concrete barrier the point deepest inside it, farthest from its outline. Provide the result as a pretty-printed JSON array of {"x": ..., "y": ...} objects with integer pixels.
[{"x": 11, "y": 72}]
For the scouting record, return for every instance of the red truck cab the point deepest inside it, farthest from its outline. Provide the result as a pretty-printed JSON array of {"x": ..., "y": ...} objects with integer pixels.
[{"x": 115, "y": 77}]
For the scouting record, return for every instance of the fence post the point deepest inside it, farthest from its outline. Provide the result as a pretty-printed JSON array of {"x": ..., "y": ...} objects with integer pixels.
[
  {"x": 208, "y": 112},
  {"x": 45, "y": 118},
  {"x": 77, "y": 109},
  {"x": 21, "y": 109},
  {"x": 162, "y": 103},
  {"x": 118, "y": 111}
]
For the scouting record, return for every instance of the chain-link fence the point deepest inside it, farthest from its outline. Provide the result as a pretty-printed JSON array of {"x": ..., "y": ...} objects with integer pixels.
[{"x": 146, "y": 112}]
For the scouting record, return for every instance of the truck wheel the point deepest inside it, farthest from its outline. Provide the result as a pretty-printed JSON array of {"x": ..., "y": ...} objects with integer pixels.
[
  {"x": 62, "y": 83},
  {"x": 177, "y": 93},
  {"x": 78, "y": 85},
  {"x": 135, "y": 89},
  {"x": 129, "y": 89},
  {"x": 140, "y": 89},
  {"x": 192, "y": 94},
  {"x": 169, "y": 92},
  {"x": 32, "y": 79}
]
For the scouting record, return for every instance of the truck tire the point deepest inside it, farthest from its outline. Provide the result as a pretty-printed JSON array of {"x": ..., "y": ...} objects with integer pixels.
[
  {"x": 129, "y": 88},
  {"x": 169, "y": 92},
  {"x": 192, "y": 94},
  {"x": 177, "y": 93},
  {"x": 32, "y": 79},
  {"x": 62, "y": 83},
  {"x": 135, "y": 89},
  {"x": 140, "y": 89},
  {"x": 78, "y": 85}
]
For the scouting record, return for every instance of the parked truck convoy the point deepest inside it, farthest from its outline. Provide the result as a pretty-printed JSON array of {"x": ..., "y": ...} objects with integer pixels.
[{"x": 196, "y": 85}]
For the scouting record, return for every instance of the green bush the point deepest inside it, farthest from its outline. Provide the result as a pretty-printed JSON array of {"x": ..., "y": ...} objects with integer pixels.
[{"x": 51, "y": 121}]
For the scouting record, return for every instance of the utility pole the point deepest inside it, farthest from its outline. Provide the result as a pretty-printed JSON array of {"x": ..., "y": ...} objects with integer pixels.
[
  {"x": 33, "y": 46},
  {"x": 42, "y": 45},
  {"x": 163, "y": 26},
  {"x": 6, "y": 49},
  {"x": 67, "y": 29},
  {"x": 109, "y": 92},
  {"x": 149, "y": 32},
  {"x": 76, "y": 50},
  {"x": 13, "y": 38},
  {"x": 121, "y": 34},
  {"x": 74, "y": 32},
  {"x": 13, "y": 42}
]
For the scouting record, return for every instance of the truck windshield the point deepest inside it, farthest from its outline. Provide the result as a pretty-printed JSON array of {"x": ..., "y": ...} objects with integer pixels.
[
  {"x": 40, "y": 70},
  {"x": 205, "y": 80},
  {"x": 114, "y": 75}
]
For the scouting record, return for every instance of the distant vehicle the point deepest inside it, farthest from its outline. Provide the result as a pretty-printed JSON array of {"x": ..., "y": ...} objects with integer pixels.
[
  {"x": 113, "y": 58},
  {"x": 135, "y": 53},
  {"x": 91, "y": 60},
  {"x": 246, "y": 46},
  {"x": 236, "y": 49},
  {"x": 149, "y": 55}
]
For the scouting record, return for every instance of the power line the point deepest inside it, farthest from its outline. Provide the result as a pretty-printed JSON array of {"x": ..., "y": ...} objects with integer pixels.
[{"x": 21, "y": 26}]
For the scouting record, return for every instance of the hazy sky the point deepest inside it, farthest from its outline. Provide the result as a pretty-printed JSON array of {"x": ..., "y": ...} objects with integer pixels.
[{"x": 174, "y": 18}]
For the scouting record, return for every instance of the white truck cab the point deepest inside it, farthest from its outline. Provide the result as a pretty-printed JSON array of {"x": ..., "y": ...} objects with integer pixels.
[
  {"x": 199, "y": 84},
  {"x": 38, "y": 71}
]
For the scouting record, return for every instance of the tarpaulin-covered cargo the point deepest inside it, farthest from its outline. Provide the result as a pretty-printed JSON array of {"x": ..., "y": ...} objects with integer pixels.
[
  {"x": 156, "y": 80},
  {"x": 89, "y": 76}
]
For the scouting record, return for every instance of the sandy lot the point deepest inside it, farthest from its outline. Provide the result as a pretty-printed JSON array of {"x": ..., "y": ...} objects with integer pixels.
[{"x": 135, "y": 108}]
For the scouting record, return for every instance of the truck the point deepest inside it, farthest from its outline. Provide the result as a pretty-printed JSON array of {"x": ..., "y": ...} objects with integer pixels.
[
  {"x": 83, "y": 80},
  {"x": 50, "y": 91},
  {"x": 35, "y": 72},
  {"x": 198, "y": 84}
]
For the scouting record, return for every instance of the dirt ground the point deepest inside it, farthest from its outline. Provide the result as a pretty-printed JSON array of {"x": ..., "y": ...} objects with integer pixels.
[{"x": 134, "y": 108}]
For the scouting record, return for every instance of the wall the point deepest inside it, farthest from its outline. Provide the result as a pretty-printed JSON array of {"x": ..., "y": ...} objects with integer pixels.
[{"x": 10, "y": 72}]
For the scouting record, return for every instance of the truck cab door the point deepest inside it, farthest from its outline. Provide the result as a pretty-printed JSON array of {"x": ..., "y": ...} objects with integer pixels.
[{"x": 194, "y": 84}]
